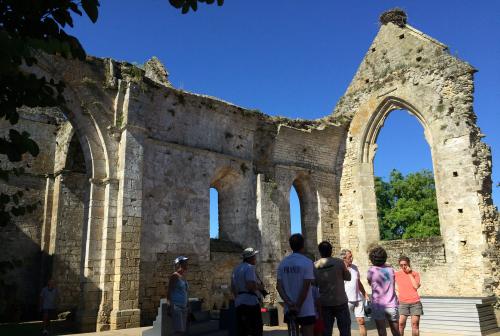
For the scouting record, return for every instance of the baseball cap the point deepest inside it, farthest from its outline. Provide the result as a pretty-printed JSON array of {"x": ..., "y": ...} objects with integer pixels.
[
  {"x": 249, "y": 252},
  {"x": 180, "y": 259}
]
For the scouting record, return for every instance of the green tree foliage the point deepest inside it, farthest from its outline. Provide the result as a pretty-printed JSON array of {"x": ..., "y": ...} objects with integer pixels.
[
  {"x": 406, "y": 206},
  {"x": 26, "y": 28},
  {"x": 185, "y": 5}
]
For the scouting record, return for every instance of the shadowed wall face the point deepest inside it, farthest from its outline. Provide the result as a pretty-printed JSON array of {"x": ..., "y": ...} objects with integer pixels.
[{"x": 20, "y": 241}]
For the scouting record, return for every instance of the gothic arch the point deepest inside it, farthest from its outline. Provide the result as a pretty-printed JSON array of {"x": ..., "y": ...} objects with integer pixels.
[
  {"x": 452, "y": 141},
  {"x": 88, "y": 122},
  {"x": 376, "y": 122},
  {"x": 367, "y": 150}
]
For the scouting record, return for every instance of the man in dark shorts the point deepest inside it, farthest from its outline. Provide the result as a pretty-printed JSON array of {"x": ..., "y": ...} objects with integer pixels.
[
  {"x": 48, "y": 304},
  {"x": 295, "y": 275},
  {"x": 407, "y": 283},
  {"x": 330, "y": 275}
]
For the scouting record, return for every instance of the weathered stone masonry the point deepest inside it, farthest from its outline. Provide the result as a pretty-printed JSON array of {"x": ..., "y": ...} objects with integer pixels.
[{"x": 126, "y": 166}]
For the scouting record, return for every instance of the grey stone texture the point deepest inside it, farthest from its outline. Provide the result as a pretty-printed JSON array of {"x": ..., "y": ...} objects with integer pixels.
[
  {"x": 405, "y": 69},
  {"x": 126, "y": 166}
]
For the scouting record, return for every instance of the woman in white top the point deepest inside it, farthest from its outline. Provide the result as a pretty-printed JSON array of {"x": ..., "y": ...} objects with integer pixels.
[{"x": 355, "y": 291}]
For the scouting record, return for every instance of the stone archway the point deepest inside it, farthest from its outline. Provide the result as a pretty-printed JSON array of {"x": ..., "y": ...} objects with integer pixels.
[
  {"x": 367, "y": 151},
  {"x": 309, "y": 209},
  {"x": 64, "y": 238},
  {"x": 452, "y": 162},
  {"x": 80, "y": 238},
  {"x": 406, "y": 68},
  {"x": 376, "y": 122},
  {"x": 87, "y": 123}
]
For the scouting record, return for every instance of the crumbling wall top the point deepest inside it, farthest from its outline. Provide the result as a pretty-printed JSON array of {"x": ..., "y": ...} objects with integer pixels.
[{"x": 156, "y": 71}]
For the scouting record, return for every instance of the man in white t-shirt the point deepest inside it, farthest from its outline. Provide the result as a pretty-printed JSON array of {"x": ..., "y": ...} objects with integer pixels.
[
  {"x": 295, "y": 275},
  {"x": 355, "y": 291}
]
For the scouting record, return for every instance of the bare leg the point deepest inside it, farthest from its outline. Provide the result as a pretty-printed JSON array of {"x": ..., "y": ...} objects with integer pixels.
[
  {"x": 402, "y": 324},
  {"x": 381, "y": 327},
  {"x": 394, "y": 325},
  {"x": 415, "y": 325},
  {"x": 361, "y": 324},
  {"x": 46, "y": 320}
]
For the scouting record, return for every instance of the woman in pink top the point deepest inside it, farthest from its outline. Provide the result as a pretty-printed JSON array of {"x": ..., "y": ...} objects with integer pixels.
[
  {"x": 407, "y": 282},
  {"x": 384, "y": 300}
]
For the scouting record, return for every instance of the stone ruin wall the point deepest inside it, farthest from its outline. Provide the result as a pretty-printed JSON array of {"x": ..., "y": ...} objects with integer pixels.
[
  {"x": 193, "y": 143},
  {"x": 405, "y": 69},
  {"x": 20, "y": 242},
  {"x": 148, "y": 157},
  {"x": 30, "y": 243},
  {"x": 150, "y": 153}
]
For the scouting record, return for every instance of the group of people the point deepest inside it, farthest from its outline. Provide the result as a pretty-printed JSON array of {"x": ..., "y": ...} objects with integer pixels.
[{"x": 315, "y": 294}]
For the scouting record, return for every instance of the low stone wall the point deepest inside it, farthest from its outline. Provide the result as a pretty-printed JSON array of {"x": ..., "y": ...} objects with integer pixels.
[
  {"x": 428, "y": 257},
  {"x": 423, "y": 252},
  {"x": 223, "y": 259}
]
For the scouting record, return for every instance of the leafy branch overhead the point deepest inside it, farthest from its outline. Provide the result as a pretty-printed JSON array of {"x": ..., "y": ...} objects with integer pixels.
[
  {"x": 185, "y": 5},
  {"x": 26, "y": 28}
]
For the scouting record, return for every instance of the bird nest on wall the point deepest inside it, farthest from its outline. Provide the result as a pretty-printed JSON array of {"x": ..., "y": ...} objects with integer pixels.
[{"x": 395, "y": 15}]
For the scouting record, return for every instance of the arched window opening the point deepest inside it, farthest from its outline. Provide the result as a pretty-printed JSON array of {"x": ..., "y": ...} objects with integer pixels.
[
  {"x": 404, "y": 180},
  {"x": 227, "y": 201},
  {"x": 295, "y": 212},
  {"x": 214, "y": 213}
]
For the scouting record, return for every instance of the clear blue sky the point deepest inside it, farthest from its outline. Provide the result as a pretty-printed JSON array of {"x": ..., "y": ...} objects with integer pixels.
[{"x": 296, "y": 58}]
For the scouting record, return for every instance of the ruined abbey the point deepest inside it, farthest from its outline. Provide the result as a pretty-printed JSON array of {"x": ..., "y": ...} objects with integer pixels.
[{"x": 125, "y": 169}]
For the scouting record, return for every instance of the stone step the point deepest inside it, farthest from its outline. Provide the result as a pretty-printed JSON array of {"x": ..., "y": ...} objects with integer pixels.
[
  {"x": 204, "y": 328},
  {"x": 458, "y": 316},
  {"x": 213, "y": 333}
]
